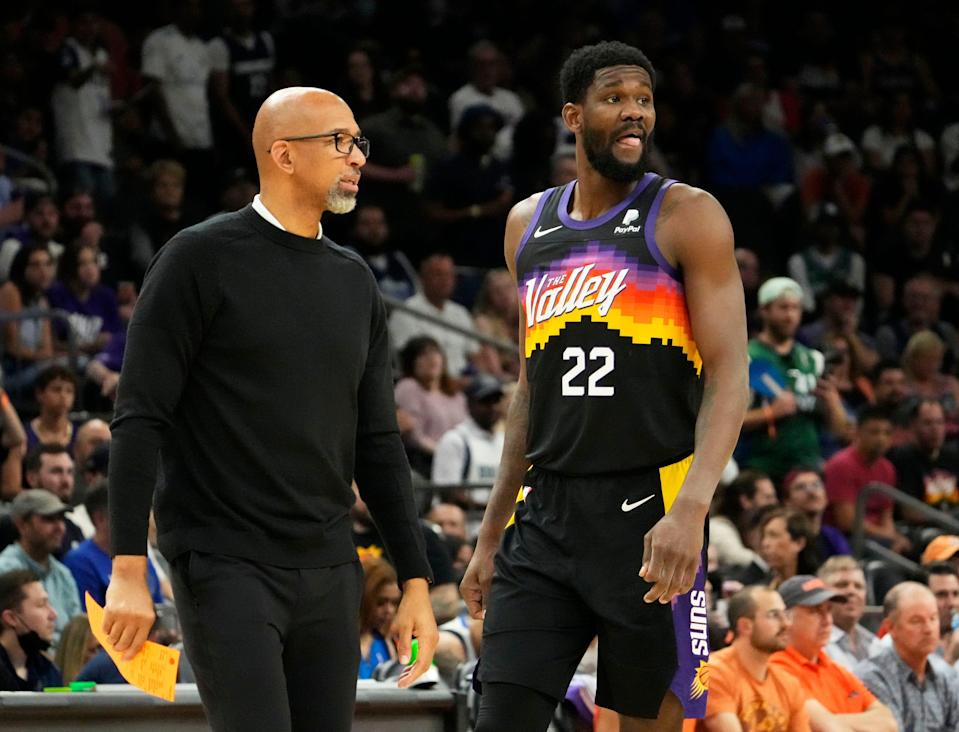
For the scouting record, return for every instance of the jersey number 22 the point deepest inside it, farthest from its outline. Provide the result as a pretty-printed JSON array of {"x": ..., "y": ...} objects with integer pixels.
[{"x": 593, "y": 387}]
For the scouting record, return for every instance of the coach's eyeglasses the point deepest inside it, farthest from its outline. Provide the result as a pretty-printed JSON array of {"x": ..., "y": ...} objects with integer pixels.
[{"x": 343, "y": 141}]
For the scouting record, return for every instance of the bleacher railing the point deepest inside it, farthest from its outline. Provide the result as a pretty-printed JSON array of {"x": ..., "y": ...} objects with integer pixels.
[
  {"x": 393, "y": 303},
  {"x": 860, "y": 542},
  {"x": 73, "y": 350}
]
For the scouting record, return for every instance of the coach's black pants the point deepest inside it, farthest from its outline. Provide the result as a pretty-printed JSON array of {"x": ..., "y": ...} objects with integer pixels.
[{"x": 273, "y": 649}]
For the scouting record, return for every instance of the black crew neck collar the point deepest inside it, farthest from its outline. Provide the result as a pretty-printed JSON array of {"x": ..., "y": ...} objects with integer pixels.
[{"x": 281, "y": 237}]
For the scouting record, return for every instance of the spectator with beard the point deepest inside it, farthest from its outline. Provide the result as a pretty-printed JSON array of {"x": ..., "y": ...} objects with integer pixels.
[
  {"x": 804, "y": 491},
  {"x": 849, "y": 642},
  {"x": 43, "y": 223},
  {"x": 927, "y": 468},
  {"x": 745, "y": 690},
  {"x": 788, "y": 386},
  {"x": 469, "y": 194},
  {"x": 77, "y": 211},
  {"x": 390, "y": 266}
]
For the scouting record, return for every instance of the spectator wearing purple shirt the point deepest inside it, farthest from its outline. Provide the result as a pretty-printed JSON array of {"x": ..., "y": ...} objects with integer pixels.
[
  {"x": 803, "y": 490},
  {"x": 94, "y": 316}
]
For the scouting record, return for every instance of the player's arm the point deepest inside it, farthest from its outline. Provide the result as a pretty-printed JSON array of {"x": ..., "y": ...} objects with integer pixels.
[
  {"x": 694, "y": 231},
  {"x": 513, "y": 464}
]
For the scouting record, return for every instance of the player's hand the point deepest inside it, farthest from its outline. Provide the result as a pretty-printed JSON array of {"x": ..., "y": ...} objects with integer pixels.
[
  {"x": 414, "y": 617},
  {"x": 476, "y": 582},
  {"x": 671, "y": 556},
  {"x": 128, "y": 613}
]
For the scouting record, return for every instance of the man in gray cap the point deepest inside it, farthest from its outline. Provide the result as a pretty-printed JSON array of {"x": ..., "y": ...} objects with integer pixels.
[
  {"x": 788, "y": 387},
  {"x": 836, "y": 699},
  {"x": 38, "y": 515}
]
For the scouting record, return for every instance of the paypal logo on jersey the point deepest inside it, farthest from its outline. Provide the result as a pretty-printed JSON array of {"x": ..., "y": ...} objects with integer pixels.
[{"x": 626, "y": 227}]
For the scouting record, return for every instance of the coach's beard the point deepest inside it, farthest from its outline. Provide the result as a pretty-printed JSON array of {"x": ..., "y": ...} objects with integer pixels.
[
  {"x": 339, "y": 201},
  {"x": 599, "y": 152}
]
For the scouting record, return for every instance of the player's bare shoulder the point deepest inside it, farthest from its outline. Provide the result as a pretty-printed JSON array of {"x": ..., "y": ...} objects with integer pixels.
[
  {"x": 690, "y": 221},
  {"x": 519, "y": 219}
]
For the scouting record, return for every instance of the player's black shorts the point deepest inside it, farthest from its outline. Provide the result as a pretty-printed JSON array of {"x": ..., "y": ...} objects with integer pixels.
[{"x": 568, "y": 571}]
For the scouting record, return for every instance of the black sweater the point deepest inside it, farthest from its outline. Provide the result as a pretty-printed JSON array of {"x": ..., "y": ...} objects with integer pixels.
[{"x": 258, "y": 364}]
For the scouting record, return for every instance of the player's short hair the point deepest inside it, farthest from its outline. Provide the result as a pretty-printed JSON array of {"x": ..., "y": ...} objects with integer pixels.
[{"x": 580, "y": 68}]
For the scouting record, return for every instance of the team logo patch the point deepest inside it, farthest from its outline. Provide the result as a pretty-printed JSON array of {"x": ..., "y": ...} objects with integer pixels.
[{"x": 700, "y": 683}]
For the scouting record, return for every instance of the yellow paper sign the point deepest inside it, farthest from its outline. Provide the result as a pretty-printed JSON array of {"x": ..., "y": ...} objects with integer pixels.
[{"x": 154, "y": 667}]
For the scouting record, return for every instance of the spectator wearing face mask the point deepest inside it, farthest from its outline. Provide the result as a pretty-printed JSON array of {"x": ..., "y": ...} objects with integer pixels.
[{"x": 27, "y": 621}]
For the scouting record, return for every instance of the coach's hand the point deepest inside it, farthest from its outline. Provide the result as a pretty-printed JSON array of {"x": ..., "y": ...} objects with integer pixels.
[
  {"x": 671, "y": 554},
  {"x": 129, "y": 612},
  {"x": 477, "y": 580},
  {"x": 414, "y": 617}
]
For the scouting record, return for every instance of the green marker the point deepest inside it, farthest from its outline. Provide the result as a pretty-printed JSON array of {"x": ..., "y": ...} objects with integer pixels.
[
  {"x": 56, "y": 690},
  {"x": 83, "y": 686},
  {"x": 414, "y": 651}
]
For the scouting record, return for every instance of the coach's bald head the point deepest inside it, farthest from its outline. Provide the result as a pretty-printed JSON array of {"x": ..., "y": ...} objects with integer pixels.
[{"x": 310, "y": 173}]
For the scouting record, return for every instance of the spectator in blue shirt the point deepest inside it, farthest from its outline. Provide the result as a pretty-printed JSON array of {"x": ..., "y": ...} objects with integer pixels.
[{"x": 90, "y": 562}]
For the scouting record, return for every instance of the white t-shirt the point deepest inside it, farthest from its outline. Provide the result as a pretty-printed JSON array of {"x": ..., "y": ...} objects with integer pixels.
[
  {"x": 468, "y": 454},
  {"x": 81, "y": 115},
  {"x": 182, "y": 65},
  {"x": 504, "y": 101},
  {"x": 877, "y": 140},
  {"x": 457, "y": 348}
]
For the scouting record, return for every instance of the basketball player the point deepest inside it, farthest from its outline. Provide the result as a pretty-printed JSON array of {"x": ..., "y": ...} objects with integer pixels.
[{"x": 629, "y": 404}]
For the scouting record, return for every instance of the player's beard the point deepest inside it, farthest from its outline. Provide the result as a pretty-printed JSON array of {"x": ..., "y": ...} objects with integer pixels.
[
  {"x": 338, "y": 201},
  {"x": 599, "y": 152}
]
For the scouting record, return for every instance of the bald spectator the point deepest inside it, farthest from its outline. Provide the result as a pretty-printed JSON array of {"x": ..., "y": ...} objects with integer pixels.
[
  {"x": 943, "y": 581},
  {"x": 921, "y": 691},
  {"x": 836, "y": 699},
  {"x": 450, "y": 518},
  {"x": 849, "y": 641},
  {"x": 745, "y": 691},
  {"x": 90, "y": 435},
  {"x": 438, "y": 278}
]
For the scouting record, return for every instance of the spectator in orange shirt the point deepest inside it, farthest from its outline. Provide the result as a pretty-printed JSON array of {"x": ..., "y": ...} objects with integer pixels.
[
  {"x": 746, "y": 694},
  {"x": 837, "y": 700}
]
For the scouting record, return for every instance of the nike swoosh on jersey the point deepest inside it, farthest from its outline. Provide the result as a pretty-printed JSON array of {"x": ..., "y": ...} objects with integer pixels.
[
  {"x": 627, "y": 506},
  {"x": 541, "y": 232}
]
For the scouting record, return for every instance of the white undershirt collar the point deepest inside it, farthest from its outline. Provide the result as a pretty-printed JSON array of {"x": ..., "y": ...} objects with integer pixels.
[{"x": 261, "y": 209}]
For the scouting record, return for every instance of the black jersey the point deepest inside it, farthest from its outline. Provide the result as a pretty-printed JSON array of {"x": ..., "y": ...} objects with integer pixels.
[
  {"x": 251, "y": 67},
  {"x": 614, "y": 374}
]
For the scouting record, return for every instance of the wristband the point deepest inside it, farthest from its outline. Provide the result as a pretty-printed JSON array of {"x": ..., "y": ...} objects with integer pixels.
[
  {"x": 4, "y": 400},
  {"x": 770, "y": 421}
]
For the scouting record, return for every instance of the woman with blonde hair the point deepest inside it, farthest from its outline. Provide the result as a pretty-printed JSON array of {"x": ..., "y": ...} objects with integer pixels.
[
  {"x": 381, "y": 598},
  {"x": 77, "y": 646},
  {"x": 496, "y": 314},
  {"x": 922, "y": 362}
]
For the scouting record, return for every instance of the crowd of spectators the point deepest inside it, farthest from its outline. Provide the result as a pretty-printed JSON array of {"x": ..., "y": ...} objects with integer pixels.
[{"x": 830, "y": 137}]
